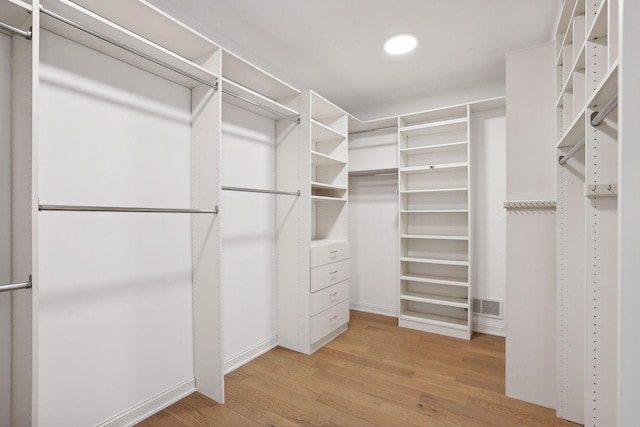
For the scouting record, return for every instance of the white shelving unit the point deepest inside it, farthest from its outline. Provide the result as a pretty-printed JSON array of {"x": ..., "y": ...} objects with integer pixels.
[
  {"x": 314, "y": 290},
  {"x": 435, "y": 226},
  {"x": 587, "y": 79}
]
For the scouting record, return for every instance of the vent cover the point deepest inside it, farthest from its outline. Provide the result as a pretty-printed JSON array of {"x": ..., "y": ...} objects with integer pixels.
[{"x": 488, "y": 308}]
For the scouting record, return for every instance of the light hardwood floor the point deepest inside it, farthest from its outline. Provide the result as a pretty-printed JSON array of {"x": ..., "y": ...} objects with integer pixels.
[{"x": 375, "y": 374}]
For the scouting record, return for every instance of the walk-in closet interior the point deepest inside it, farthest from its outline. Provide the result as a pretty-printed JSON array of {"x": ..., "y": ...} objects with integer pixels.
[{"x": 187, "y": 186}]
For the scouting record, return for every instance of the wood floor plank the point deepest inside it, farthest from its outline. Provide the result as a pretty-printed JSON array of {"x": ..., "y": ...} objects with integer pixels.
[{"x": 374, "y": 374}]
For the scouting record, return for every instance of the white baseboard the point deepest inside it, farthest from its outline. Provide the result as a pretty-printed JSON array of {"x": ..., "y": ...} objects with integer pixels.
[
  {"x": 248, "y": 355},
  {"x": 384, "y": 311},
  {"x": 153, "y": 405},
  {"x": 482, "y": 326}
]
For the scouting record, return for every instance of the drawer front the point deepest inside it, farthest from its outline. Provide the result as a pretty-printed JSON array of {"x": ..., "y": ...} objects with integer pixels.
[
  {"x": 330, "y": 274},
  {"x": 329, "y": 320},
  {"x": 325, "y": 254},
  {"x": 328, "y": 297}
]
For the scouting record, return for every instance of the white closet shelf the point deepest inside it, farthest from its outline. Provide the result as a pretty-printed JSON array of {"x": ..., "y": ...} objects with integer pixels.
[
  {"x": 599, "y": 26},
  {"x": 434, "y": 148},
  {"x": 435, "y": 190},
  {"x": 127, "y": 38},
  {"x": 434, "y": 319},
  {"x": 607, "y": 88},
  {"x": 565, "y": 17},
  {"x": 248, "y": 75},
  {"x": 321, "y": 109},
  {"x": 327, "y": 199},
  {"x": 575, "y": 132},
  {"x": 434, "y": 211},
  {"x": 277, "y": 110},
  {"x": 578, "y": 65},
  {"x": 15, "y": 13},
  {"x": 433, "y": 237},
  {"x": 434, "y": 127},
  {"x": 322, "y": 186},
  {"x": 374, "y": 172},
  {"x": 428, "y": 168},
  {"x": 435, "y": 261},
  {"x": 321, "y": 132},
  {"x": 437, "y": 280},
  {"x": 153, "y": 24},
  {"x": 320, "y": 159},
  {"x": 435, "y": 299},
  {"x": 325, "y": 242}
]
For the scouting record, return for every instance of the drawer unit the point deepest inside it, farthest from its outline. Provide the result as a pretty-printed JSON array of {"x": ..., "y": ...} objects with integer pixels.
[
  {"x": 328, "y": 297},
  {"x": 329, "y": 320},
  {"x": 329, "y": 274},
  {"x": 329, "y": 252}
]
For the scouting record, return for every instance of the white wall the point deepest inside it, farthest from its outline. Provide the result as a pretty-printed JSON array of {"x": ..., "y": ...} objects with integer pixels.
[
  {"x": 5, "y": 229},
  {"x": 531, "y": 170},
  {"x": 373, "y": 240},
  {"x": 629, "y": 208},
  {"x": 427, "y": 101},
  {"x": 116, "y": 318},
  {"x": 488, "y": 136},
  {"x": 248, "y": 236}
]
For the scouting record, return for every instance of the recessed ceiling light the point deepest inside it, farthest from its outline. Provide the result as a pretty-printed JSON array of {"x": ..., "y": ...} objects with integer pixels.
[{"x": 400, "y": 43}]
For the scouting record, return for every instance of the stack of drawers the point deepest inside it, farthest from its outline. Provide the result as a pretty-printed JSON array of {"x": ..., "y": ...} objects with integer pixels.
[{"x": 329, "y": 300}]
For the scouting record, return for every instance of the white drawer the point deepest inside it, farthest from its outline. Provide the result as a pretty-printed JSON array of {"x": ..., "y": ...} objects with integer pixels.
[
  {"x": 328, "y": 297},
  {"x": 330, "y": 274},
  {"x": 329, "y": 320},
  {"x": 326, "y": 252}
]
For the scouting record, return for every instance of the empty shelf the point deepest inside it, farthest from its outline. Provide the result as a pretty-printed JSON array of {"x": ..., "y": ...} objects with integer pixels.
[
  {"x": 321, "y": 132},
  {"x": 327, "y": 199},
  {"x": 433, "y": 319},
  {"x": 322, "y": 186},
  {"x": 434, "y": 211},
  {"x": 435, "y": 280},
  {"x": 435, "y": 127},
  {"x": 427, "y": 168},
  {"x": 575, "y": 133},
  {"x": 435, "y": 299},
  {"x": 435, "y": 190},
  {"x": 435, "y": 261},
  {"x": 434, "y": 148},
  {"x": 433, "y": 237},
  {"x": 319, "y": 159}
]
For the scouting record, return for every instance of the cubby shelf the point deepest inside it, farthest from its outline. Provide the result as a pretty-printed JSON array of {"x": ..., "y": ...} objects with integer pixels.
[
  {"x": 434, "y": 279},
  {"x": 578, "y": 65},
  {"x": 435, "y": 299},
  {"x": 607, "y": 88},
  {"x": 599, "y": 26},
  {"x": 433, "y": 237},
  {"x": 435, "y": 261},
  {"x": 320, "y": 159},
  {"x": 434, "y": 319},
  {"x": 575, "y": 132},
  {"x": 321, "y": 132},
  {"x": 322, "y": 186}
]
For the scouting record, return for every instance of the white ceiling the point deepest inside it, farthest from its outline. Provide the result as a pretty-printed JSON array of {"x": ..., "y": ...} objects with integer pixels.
[{"x": 335, "y": 46}]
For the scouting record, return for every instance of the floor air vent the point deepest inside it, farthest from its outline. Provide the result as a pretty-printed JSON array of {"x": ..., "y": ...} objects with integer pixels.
[{"x": 487, "y": 307}]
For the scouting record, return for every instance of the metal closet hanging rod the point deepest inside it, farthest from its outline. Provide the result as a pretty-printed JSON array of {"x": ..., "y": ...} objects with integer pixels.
[
  {"x": 26, "y": 34},
  {"x": 72, "y": 208},
  {"x": 257, "y": 190},
  {"x": 122, "y": 46},
  {"x": 16, "y": 286},
  {"x": 264, "y": 107},
  {"x": 597, "y": 118},
  {"x": 563, "y": 159}
]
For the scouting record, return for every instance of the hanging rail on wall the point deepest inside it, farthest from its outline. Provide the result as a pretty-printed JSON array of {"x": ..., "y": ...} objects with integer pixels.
[
  {"x": 16, "y": 286},
  {"x": 26, "y": 34},
  {"x": 256, "y": 190},
  {"x": 264, "y": 107},
  {"x": 373, "y": 130},
  {"x": 563, "y": 159},
  {"x": 598, "y": 117},
  {"x": 71, "y": 208},
  {"x": 109, "y": 40}
]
